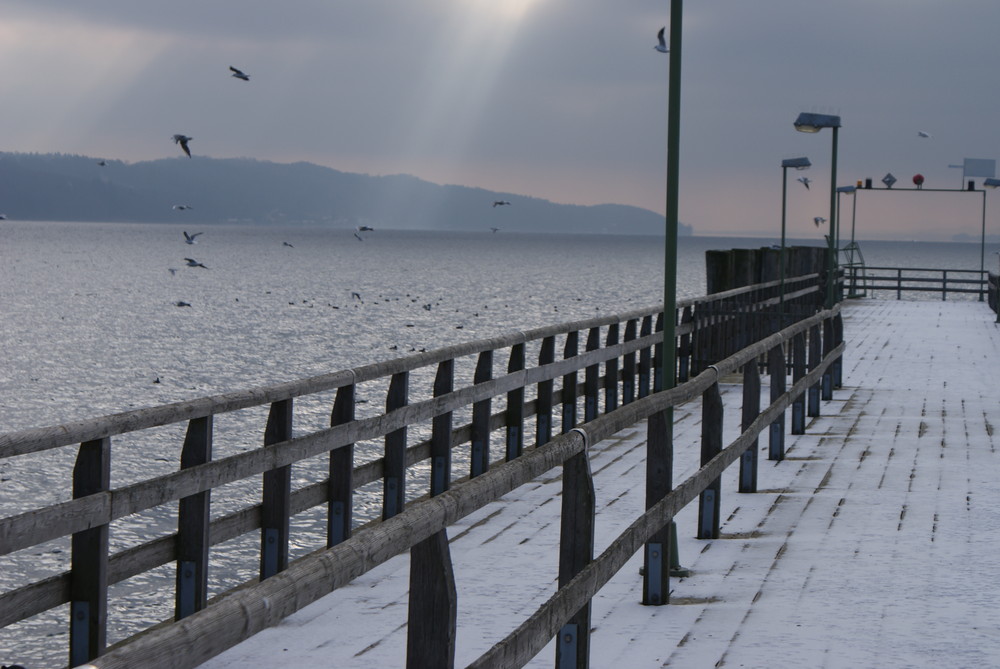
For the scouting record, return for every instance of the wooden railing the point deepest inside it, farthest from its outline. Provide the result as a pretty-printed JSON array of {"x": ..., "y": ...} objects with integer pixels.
[
  {"x": 627, "y": 346},
  {"x": 869, "y": 279}
]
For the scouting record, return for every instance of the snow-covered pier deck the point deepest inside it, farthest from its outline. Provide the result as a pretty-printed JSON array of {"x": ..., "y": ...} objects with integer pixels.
[{"x": 876, "y": 542}]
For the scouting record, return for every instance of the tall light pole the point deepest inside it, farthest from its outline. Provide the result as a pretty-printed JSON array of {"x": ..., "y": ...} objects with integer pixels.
[
  {"x": 799, "y": 164},
  {"x": 809, "y": 122}
]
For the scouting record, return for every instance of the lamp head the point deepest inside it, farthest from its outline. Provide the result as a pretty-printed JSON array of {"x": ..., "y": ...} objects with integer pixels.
[
  {"x": 846, "y": 189},
  {"x": 990, "y": 182},
  {"x": 809, "y": 122},
  {"x": 798, "y": 163}
]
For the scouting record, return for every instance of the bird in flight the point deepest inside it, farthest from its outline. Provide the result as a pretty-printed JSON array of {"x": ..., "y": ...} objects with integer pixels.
[
  {"x": 190, "y": 239},
  {"x": 287, "y": 244},
  {"x": 191, "y": 262},
  {"x": 819, "y": 220},
  {"x": 239, "y": 74},
  {"x": 500, "y": 203},
  {"x": 102, "y": 163},
  {"x": 921, "y": 133},
  {"x": 805, "y": 181},
  {"x": 360, "y": 238},
  {"x": 365, "y": 228},
  {"x": 183, "y": 141},
  {"x": 495, "y": 230},
  {"x": 662, "y": 46},
  {"x": 182, "y": 207}
]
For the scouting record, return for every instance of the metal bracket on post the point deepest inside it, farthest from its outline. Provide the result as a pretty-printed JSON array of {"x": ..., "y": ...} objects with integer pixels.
[
  {"x": 270, "y": 552},
  {"x": 567, "y": 646},
  {"x": 79, "y": 651},
  {"x": 186, "y": 585}
]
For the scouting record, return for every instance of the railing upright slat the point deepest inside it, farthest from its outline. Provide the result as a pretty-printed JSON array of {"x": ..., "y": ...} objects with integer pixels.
[
  {"x": 480, "y": 446},
  {"x": 777, "y": 381},
  {"x": 591, "y": 378},
  {"x": 193, "y": 519},
  {"x": 709, "y": 501},
  {"x": 659, "y": 483},
  {"x": 798, "y": 371},
  {"x": 576, "y": 551},
  {"x": 543, "y": 414},
  {"x": 645, "y": 357},
  {"x": 88, "y": 609},
  {"x": 751, "y": 409},
  {"x": 444, "y": 383},
  {"x": 433, "y": 605},
  {"x": 658, "y": 356},
  {"x": 394, "y": 479},
  {"x": 571, "y": 349},
  {"x": 515, "y": 406},
  {"x": 275, "y": 511},
  {"x": 611, "y": 372},
  {"x": 340, "y": 497},
  {"x": 815, "y": 353},
  {"x": 629, "y": 364}
]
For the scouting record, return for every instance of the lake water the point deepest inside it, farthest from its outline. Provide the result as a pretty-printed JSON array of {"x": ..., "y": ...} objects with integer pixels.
[{"x": 91, "y": 322}]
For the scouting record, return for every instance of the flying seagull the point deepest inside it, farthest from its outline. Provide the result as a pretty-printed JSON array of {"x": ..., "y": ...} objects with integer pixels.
[
  {"x": 360, "y": 238},
  {"x": 365, "y": 228},
  {"x": 804, "y": 181},
  {"x": 921, "y": 133},
  {"x": 495, "y": 230},
  {"x": 191, "y": 262},
  {"x": 662, "y": 46},
  {"x": 190, "y": 239},
  {"x": 183, "y": 141},
  {"x": 182, "y": 207},
  {"x": 239, "y": 74},
  {"x": 819, "y": 220},
  {"x": 287, "y": 244},
  {"x": 500, "y": 203},
  {"x": 102, "y": 163}
]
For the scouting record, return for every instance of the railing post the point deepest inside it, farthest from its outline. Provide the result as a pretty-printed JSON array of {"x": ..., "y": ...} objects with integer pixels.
[
  {"x": 611, "y": 372},
  {"x": 88, "y": 584},
  {"x": 838, "y": 364},
  {"x": 944, "y": 286},
  {"x": 658, "y": 356},
  {"x": 576, "y": 551},
  {"x": 828, "y": 345},
  {"x": 799, "y": 371},
  {"x": 711, "y": 444},
  {"x": 591, "y": 378},
  {"x": 515, "y": 406},
  {"x": 394, "y": 481},
  {"x": 645, "y": 357},
  {"x": 684, "y": 349},
  {"x": 277, "y": 492},
  {"x": 444, "y": 383},
  {"x": 193, "y": 521},
  {"x": 899, "y": 283},
  {"x": 570, "y": 350},
  {"x": 629, "y": 365},
  {"x": 814, "y": 360},
  {"x": 659, "y": 483},
  {"x": 777, "y": 376},
  {"x": 543, "y": 416},
  {"x": 751, "y": 409},
  {"x": 430, "y": 634},
  {"x": 480, "y": 455},
  {"x": 340, "y": 499}
]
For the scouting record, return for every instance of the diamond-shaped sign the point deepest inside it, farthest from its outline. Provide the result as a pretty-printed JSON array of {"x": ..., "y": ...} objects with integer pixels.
[{"x": 888, "y": 180}]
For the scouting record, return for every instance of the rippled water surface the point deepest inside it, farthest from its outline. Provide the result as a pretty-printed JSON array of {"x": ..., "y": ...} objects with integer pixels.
[{"x": 91, "y": 326}]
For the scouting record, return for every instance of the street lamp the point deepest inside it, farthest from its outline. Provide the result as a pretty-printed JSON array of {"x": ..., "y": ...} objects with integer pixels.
[
  {"x": 799, "y": 164},
  {"x": 810, "y": 122}
]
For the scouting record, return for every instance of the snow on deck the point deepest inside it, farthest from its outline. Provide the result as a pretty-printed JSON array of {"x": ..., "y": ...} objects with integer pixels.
[{"x": 875, "y": 543}]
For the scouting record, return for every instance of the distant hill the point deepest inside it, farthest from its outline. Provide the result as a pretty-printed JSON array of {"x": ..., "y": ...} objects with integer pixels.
[{"x": 77, "y": 188}]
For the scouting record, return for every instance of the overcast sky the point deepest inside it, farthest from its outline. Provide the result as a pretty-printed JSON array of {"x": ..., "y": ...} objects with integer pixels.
[{"x": 559, "y": 99}]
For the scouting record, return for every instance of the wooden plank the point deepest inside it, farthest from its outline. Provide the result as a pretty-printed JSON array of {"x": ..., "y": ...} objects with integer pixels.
[
  {"x": 394, "y": 480},
  {"x": 433, "y": 604},
  {"x": 276, "y": 495},
  {"x": 88, "y": 583},
  {"x": 340, "y": 495},
  {"x": 193, "y": 523}
]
